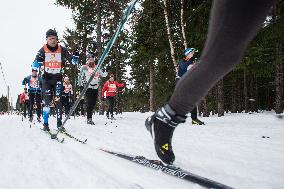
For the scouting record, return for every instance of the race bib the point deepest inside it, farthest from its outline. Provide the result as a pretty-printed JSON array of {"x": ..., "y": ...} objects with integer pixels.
[
  {"x": 112, "y": 88},
  {"x": 53, "y": 63},
  {"x": 91, "y": 71},
  {"x": 34, "y": 83}
]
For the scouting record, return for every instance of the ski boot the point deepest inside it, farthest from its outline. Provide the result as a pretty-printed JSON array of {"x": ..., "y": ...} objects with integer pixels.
[
  {"x": 107, "y": 115},
  {"x": 38, "y": 119},
  {"x": 197, "y": 122},
  {"x": 60, "y": 127},
  {"x": 90, "y": 122},
  {"x": 46, "y": 127},
  {"x": 31, "y": 119},
  {"x": 161, "y": 126}
]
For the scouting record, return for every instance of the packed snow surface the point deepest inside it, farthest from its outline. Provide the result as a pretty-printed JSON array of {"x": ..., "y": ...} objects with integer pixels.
[{"x": 239, "y": 150}]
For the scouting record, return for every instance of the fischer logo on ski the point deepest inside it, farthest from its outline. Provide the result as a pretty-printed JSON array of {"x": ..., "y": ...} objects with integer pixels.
[{"x": 155, "y": 165}]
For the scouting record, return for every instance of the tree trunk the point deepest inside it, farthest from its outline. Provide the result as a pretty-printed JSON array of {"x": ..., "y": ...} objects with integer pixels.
[
  {"x": 183, "y": 24},
  {"x": 256, "y": 103},
  {"x": 234, "y": 96},
  {"x": 279, "y": 81},
  {"x": 220, "y": 99},
  {"x": 245, "y": 92},
  {"x": 239, "y": 97},
  {"x": 169, "y": 34},
  {"x": 151, "y": 87},
  {"x": 99, "y": 46},
  {"x": 251, "y": 94},
  {"x": 279, "y": 69},
  {"x": 206, "y": 112}
]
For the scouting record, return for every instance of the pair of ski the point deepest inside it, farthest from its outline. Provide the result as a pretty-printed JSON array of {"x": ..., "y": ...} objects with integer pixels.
[
  {"x": 61, "y": 140},
  {"x": 54, "y": 136},
  {"x": 171, "y": 170}
]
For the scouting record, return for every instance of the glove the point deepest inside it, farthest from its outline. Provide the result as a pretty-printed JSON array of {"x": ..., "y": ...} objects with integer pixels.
[
  {"x": 103, "y": 98},
  {"x": 108, "y": 68},
  {"x": 76, "y": 53},
  {"x": 35, "y": 65},
  {"x": 75, "y": 58}
]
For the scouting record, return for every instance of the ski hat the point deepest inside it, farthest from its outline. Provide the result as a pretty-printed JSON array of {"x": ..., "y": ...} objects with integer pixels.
[
  {"x": 51, "y": 32},
  {"x": 188, "y": 50}
]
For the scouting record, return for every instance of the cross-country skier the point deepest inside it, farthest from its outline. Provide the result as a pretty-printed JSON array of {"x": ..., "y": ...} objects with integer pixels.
[
  {"x": 52, "y": 56},
  {"x": 67, "y": 94},
  {"x": 86, "y": 72},
  {"x": 186, "y": 64},
  {"x": 34, "y": 83},
  {"x": 24, "y": 101},
  {"x": 109, "y": 92},
  {"x": 233, "y": 24}
]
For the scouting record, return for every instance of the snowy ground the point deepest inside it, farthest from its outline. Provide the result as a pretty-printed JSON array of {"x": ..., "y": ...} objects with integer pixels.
[{"x": 230, "y": 150}]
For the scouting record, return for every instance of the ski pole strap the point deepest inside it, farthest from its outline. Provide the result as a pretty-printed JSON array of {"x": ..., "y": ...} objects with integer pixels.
[{"x": 124, "y": 18}]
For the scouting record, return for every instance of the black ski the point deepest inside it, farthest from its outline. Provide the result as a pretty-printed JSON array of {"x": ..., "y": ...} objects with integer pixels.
[
  {"x": 171, "y": 170},
  {"x": 70, "y": 136}
]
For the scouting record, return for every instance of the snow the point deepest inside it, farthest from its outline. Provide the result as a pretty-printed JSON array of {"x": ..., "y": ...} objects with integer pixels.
[{"x": 230, "y": 150}]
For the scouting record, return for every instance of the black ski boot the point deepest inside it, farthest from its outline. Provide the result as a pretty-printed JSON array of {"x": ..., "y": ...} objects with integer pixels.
[
  {"x": 197, "y": 122},
  {"x": 107, "y": 115},
  {"x": 90, "y": 122},
  {"x": 60, "y": 127},
  {"x": 161, "y": 126},
  {"x": 46, "y": 127},
  {"x": 31, "y": 119}
]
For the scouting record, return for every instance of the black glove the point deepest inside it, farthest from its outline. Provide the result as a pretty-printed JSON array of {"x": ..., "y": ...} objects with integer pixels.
[{"x": 108, "y": 68}]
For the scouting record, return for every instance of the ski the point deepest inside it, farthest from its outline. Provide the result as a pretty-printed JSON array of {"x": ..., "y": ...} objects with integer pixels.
[
  {"x": 171, "y": 170},
  {"x": 71, "y": 136}
]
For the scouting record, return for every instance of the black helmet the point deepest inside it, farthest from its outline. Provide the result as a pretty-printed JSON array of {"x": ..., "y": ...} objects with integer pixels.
[{"x": 51, "y": 32}]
